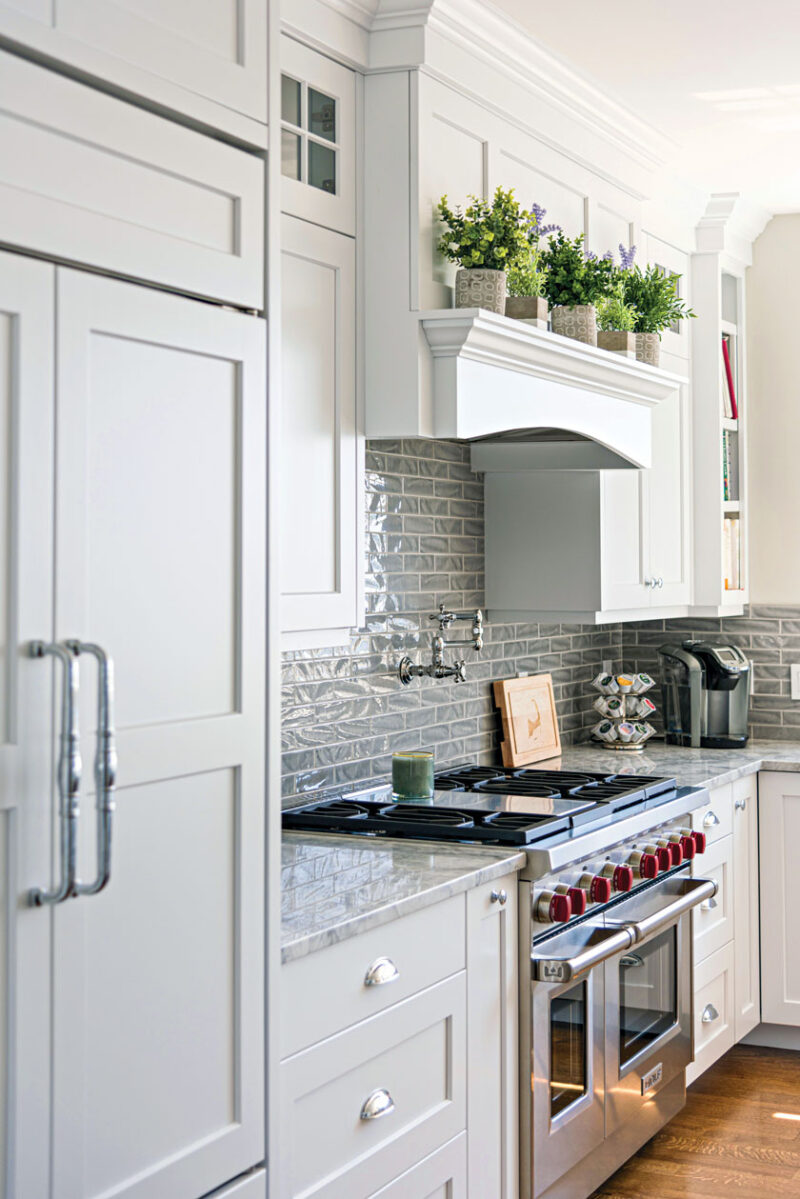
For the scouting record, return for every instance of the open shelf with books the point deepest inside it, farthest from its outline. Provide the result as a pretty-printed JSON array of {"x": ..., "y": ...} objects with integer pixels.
[{"x": 720, "y": 432}]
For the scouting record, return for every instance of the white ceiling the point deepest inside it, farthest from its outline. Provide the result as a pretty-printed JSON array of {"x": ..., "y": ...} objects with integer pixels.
[{"x": 721, "y": 78}]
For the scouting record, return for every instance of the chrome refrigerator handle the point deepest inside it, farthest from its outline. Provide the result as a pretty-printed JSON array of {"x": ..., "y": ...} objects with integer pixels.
[
  {"x": 69, "y": 772},
  {"x": 105, "y": 763}
]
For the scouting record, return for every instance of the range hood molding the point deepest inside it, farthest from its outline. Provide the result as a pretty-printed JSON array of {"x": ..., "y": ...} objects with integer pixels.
[{"x": 491, "y": 375}]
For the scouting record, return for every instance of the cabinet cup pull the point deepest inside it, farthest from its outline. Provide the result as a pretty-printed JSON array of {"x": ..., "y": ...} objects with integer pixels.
[
  {"x": 710, "y": 1014},
  {"x": 376, "y": 1105},
  {"x": 708, "y": 904},
  {"x": 500, "y": 897},
  {"x": 710, "y": 820},
  {"x": 740, "y": 804},
  {"x": 381, "y": 972}
]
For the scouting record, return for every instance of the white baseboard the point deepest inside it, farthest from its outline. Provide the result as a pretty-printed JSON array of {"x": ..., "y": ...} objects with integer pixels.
[{"x": 775, "y": 1036}]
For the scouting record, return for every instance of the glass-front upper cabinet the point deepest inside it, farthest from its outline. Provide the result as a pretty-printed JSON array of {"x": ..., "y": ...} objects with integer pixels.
[{"x": 318, "y": 99}]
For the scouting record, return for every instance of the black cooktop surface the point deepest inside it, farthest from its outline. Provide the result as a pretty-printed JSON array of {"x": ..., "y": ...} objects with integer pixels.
[{"x": 493, "y": 805}]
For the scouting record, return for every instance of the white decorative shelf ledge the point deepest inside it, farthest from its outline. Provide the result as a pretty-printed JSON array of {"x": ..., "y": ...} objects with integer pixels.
[{"x": 493, "y": 376}]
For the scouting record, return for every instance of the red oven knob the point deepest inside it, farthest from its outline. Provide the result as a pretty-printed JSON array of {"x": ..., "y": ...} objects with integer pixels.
[
  {"x": 699, "y": 842},
  {"x": 620, "y": 877},
  {"x": 688, "y": 846},
  {"x": 600, "y": 889},
  {"x": 577, "y": 899},
  {"x": 645, "y": 865},
  {"x": 673, "y": 847},
  {"x": 661, "y": 855},
  {"x": 553, "y": 908}
]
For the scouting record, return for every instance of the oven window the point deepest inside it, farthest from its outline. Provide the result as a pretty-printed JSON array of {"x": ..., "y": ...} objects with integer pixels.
[
  {"x": 648, "y": 993},
  {"x": 568, "y": 1015}
]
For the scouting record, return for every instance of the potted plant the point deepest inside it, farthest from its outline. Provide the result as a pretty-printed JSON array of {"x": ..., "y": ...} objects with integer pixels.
[
  {"x": 653, "y": 293},
  {"x": 484, "y": 240},
  {"x": 526, "y": 275},
  {"x": 575, "y": 281},
  {"x": 615, "y": 318}
]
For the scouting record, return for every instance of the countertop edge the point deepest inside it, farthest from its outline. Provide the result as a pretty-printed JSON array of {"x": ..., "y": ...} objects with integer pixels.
[{"x": 304, "y": 945}]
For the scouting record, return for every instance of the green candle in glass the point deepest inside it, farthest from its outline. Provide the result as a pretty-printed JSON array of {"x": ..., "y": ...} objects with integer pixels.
[{"x": 412, "y": 777}]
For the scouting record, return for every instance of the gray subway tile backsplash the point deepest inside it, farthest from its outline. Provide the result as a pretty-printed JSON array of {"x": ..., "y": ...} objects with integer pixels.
[{"x": 344, "y": 708}]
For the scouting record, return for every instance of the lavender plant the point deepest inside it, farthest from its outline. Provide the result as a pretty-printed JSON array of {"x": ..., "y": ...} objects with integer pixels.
[
  {"x": 526, "y": 275},
  {"x": 613, "y": 313}
]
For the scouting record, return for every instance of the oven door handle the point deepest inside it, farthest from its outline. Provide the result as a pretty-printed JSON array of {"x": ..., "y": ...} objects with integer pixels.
[
  {"x": 562, "y": 970},
  {"x": 695, "y": 891}
]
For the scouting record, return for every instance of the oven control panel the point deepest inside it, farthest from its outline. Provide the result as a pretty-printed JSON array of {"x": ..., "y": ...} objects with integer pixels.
[{"x": 594, "y": 881}]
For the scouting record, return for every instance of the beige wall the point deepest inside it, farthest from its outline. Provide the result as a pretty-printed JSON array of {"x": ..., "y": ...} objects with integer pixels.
[{"x": 773, "y": 348}]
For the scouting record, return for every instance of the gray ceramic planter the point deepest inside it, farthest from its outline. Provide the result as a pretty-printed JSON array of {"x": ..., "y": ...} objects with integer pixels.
[
  {"x": 617, "y": 341},
  {"x": 648, "y": 348},
  {"x": 481, "y": 289},
  {"x": 579, "y": 322},
  {"x": 531, "y": 310}
]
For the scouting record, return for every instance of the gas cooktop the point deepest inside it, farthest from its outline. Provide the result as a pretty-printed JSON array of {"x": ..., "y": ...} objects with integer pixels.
[{"x": 489, "y": 804}]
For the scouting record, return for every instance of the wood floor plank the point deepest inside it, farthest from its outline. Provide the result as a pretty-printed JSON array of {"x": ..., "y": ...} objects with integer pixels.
[{"x": 727, "y": 1138}]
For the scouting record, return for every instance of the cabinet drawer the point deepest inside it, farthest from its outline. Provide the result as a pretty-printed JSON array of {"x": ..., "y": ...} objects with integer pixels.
[
  {"x": 93, "y": 180},
  {"x": 254, "y": 1186},
  {"x": 415, "y": 1054},
  {"x": 716, "y": 821},
  {"x": 443, "y": 1175},
  {"x": 713, "y": 919},
  {"x": 326, "y": 992},
  {"x": 713, "y": 1010}
]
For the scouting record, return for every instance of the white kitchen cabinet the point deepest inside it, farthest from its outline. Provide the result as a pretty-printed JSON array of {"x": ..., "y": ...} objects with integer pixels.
[
  {"x": 136, "y": 1012},
  {"x": 747, "y": 980},
  {"x": 443, "y": 1175},
  {"x": 713, "y": 1032},
  {"x": 322, "y": 448},
  {"x": 779, "y": 829},
  {"x": 492, "y": 1044},
  {"x": 206, "y": 60},
  {"x": 90, "y": 179},
  {"x": 318, "y": 138}
]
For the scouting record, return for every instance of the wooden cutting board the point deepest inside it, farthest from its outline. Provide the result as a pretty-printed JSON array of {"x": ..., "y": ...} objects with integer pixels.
[{"x": 530, "y": 723}]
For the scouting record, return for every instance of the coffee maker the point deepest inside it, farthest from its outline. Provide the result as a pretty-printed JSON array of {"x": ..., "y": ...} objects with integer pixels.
[{"x": 706, "y": 694}]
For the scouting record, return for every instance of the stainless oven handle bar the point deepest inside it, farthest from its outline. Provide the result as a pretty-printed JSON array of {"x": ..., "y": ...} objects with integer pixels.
[
  {"x": 562, "y": 970},
  {"x": 695, "y": 891}
]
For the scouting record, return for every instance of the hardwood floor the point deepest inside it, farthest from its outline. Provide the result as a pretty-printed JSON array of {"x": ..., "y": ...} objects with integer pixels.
[{"x": 732, "y": 1136}]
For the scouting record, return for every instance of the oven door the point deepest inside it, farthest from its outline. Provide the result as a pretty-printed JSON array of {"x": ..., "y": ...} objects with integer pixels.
[
  {"x": 567, "y": 1047},
  {"x": 649, "y": 996}
]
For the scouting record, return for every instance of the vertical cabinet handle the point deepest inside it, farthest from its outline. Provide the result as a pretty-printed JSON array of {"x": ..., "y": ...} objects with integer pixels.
[
  {"x": 69, "y": 772},
  {"x": 105, "y": 763}
]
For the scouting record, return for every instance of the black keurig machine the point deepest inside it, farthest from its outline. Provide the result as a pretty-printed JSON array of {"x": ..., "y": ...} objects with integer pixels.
[{"x": 706, "y": 694}]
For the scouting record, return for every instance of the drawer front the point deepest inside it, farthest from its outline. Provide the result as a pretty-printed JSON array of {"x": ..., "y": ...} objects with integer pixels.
[
  {"x": 92, "y": 180},
  {"x": 414, "y": 1054},
  {"x": 443, "y": 1175},
  {"x": 713, "y": 1010},
  {"x": 712, "y": 921},
  {"x": 716, "y": 821},
  {"x": 326, "y": 992},
  {"x": 254, "y": 1186}
]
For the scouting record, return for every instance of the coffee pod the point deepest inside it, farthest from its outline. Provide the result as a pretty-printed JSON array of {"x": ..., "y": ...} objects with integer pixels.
[
  {"x": 646, "y": 706},
  {"x": 605, "y": 731},
  {"x": 648, "y": 728},
  {"x": 639, "y": 732},
  {"x": 599, "y": 705},
  {"x": 626, "y": 732},
  {"x": 606, "y": 683},
  {"x": 624, "y": 683},
  {"x": 615, "y": 706},
  {"x": 642, "y": 683}
]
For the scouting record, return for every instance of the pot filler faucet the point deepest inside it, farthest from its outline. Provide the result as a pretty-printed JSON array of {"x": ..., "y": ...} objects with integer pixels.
[{"x": 437, "y": 668}]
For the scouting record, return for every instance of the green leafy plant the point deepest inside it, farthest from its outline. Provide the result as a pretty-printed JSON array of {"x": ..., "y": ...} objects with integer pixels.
[
  {"x": 613, "y": 312},
  {"x": 653, "y": 294},
  {"x": 526, "y": 276},
  {"x": 573, "y": 276},
  {"x": 487, "y": 235}
]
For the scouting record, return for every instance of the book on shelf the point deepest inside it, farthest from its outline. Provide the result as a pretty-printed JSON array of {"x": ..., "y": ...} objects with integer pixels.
[
  {"x": 730, "y": 465},
  {"x": 730, "y": 407},
  {"x": 731, "y": 554}
]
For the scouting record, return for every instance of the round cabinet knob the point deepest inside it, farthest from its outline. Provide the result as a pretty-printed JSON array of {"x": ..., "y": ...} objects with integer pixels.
[
  {"x": 377, "y": 1105},
  {"x": 600, "y": 889},
  {"x": 553, "y": 908},
  {"x": 740, "y": 805},
  {"x": 577, "y": 899},
  {"x": 500, "y": 897},
  {"x": 660, "y": 581}
]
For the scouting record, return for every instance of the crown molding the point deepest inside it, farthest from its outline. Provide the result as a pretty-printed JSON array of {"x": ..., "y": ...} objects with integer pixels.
[{"x": 730, "y": 225}]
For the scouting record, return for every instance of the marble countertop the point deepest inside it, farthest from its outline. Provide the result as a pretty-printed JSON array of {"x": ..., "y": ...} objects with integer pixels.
[{"x": 334, "y": 887}]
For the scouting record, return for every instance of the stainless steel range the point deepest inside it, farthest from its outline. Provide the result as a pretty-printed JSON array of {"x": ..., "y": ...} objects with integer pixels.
[{"x": 605, "y": 947}]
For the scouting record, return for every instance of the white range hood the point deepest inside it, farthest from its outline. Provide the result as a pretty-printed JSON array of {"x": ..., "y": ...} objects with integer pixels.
[{"x": 531, "y": 399}]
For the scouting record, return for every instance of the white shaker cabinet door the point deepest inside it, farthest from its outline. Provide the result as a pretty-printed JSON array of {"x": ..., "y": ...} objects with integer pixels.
[
  {"x": 747, "y": 977},
  {"x": 158, "y": 1002},
  {"x": 27, "y": 742},
  {"x": 321, "y": 458},
  {"x": 668, "y": 500},
  {"x": 779, "y": 830},
  {"x": 206, "y": 59}
]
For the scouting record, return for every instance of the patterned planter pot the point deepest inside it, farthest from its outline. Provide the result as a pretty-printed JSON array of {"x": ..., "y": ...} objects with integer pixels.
[
  {"x": 531, "y": 310},
  {"x": 579, "y": 323},
  {"x": 648, "y": 348},
  {"x": 617, "y": 341},
  {"x": 481, "y": 289}
]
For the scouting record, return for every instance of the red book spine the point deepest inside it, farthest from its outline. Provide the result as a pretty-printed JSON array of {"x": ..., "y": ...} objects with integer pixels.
[{"x": 729, "y": 375}]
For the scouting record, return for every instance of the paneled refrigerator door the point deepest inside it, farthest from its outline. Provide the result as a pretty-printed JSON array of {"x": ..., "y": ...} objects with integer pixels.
[
  {"x": 160, "y": 511},
  {"x": 27, "y": 686}
]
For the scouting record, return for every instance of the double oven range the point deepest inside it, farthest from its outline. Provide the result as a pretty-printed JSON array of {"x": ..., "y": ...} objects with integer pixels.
[{"x": 606, "y": 897}]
